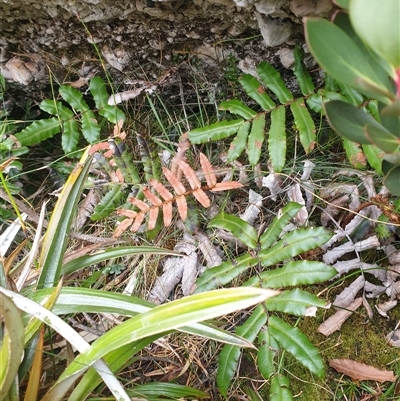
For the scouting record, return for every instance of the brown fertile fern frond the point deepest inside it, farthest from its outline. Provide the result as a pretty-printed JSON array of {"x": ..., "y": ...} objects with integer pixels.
[{"x": 163, "y": 198}]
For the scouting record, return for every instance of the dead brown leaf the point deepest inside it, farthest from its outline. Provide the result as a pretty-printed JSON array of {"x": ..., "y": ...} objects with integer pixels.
[{"x": 361, "y": 371}]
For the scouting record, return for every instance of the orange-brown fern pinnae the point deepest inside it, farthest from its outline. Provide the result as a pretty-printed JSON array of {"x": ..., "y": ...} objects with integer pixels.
[{"x": 162, "y": 198}]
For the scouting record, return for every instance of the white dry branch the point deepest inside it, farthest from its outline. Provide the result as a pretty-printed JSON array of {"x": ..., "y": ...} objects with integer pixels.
[
  {"x": 174, "y": 271},
  {"x": 335, "y": 322}
]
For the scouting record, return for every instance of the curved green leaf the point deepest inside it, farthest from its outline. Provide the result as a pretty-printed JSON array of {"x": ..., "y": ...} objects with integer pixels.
[
  {"x": 304, "y": 123},
  {"x": 316, "y": 101},
  {"x": 256, "y": 139},
  {"x": 374, "y": 156},
  {"x": 256, "y": 91},
  {"x": 111, "y": 253},
  {"x": 294, "y": 243},
  {"x": 240, "y": 229},
  {"x": 171, "y": 391},
  {"x": 295, "y": 302},
  {"x": 229, "y": 356},
  {"x": 100, "y": 95},
  {"x": 277, "y": 139},
  {"x": 56, "y": 108},
  {"x": 266, "y": 353},
  {"x": 214, "y": 132},
  {"x": 274, "y": 82},
  {"x": 109, "y": 203},
  {"x": 90, "y": 128},
  {"x": 301, "y": 73},
  {"x": 354, "y": 154},
  {"x": 273, "y": 231},
  {"x": 296, "y": 342},
  {"x": 352, "y": 96},
  {"x": 115, "y": 360},
  {"x": 237, "y": 107},
  {"x": 163, "y": 318},
  {"x": 70, "y": 136},
  {"x": 56, "y": 237},
  {"x": 279, "y": 390},
  {"x": 12, "y": 344},
  {"x": 224, "y": 273},
  {"x": 238, "y": 144},
  {"x": 74, "y": 98},
  {"x": 53, "y": 321},
  {"x": 344, "y": 60},
  {"x": 112, "y": 114},
  {"x": 78, "y": 300},
  {"x": 99, "y": 91},
  {"x": 298, "y": 272},
  {"x": 38, "y": 131}
]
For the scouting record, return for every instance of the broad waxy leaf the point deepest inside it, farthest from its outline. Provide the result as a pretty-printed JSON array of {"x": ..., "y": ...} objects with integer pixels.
[
  {"x": 256, "y": 139},
  {"x": 256, "y": 91},
  {"x": 382, "y": 138},
  {"x": 56, "y": 237},
  {"x": 38, "y": 131},
  {"x": 392, "y": 176},
  {"x": 112, "y": 114},
  {"x": 271, "y": 234},
  {"x": 297, "y": 273},
  {"x": 277, "y": 139},
  {"x": 378, "y": 25},
  {"x": 238, "y": 227},
  {"x": 380, "y": 66},
  {"x": 12, "y": 346},
  {"x": 163, "y": 318},
  {"x": 230, "y": 354},
  {"x": 296, "y": 342},
  {"x": 274, "y": 82},
  {"x": 279, "y": 390},
  {"x": 295, "y": 302},
  {"x": 215, "y": 132},
  {"x": 237, "y": 107},
  {"x": 344, "y": 60},
  {"x": 304, "y": 123},
  {"x": 239, "y": 143},
  {"x": 351, "y": 122},
  {"x": 301, "y": 73},
  {"x": 224, "y": 273}
]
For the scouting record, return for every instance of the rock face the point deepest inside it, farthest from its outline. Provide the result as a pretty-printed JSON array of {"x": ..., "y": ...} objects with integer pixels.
[{"x": 138, "y": 38}]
